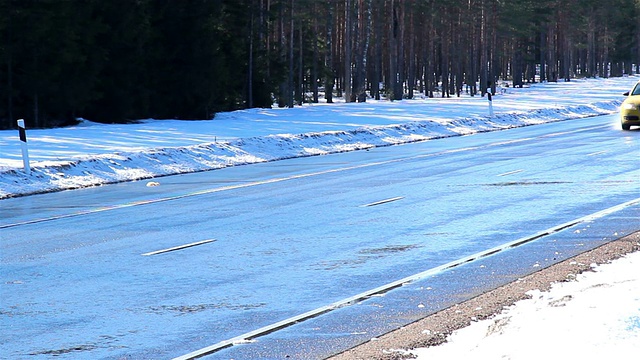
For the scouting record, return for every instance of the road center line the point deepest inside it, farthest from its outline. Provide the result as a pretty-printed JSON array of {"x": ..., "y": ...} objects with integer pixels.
[
  {"x": 383, "y": 201},
  {"x": 385, "y": 288},
  {"x": 510, "y": 173},
  {"x": 238, "y": 186},
  {"x": 276, "y": 180},
  {"x": 178, "y": 247}
]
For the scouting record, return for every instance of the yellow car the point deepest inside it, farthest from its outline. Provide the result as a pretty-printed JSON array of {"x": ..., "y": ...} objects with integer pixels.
[{"x": 630, "y": 109}]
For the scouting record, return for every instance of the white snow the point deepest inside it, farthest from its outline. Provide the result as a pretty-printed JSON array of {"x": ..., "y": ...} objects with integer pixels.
[
  {"x": 94, "y": 154},
  {"x": 595, "y": 317}
]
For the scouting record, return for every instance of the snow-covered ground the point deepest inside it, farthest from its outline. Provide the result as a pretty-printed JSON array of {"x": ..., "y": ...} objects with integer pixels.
[
  {"x": 595, "y": 317},
  {"x": 92, "y": 154},
  {"x": 604, "y": 310}
]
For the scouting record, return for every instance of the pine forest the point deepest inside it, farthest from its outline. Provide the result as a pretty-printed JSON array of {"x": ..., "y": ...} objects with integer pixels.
[{"x": 122, "y": 60}]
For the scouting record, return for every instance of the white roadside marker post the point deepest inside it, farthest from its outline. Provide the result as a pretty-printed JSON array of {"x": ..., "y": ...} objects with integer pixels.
[
  {"x": 25, "y": 151},
  {"x": 490, "y": 104}
]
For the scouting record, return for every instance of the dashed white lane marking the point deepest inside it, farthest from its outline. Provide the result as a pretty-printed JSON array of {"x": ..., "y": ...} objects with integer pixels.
[
  {"x": 383, "y": 201},
  {"x": 178, "y": 247},
  {"x": 385, "y": 288},
  {"x": 511, "y": 172}
]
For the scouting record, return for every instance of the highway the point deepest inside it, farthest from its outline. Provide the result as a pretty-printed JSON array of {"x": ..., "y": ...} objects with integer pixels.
[{"x": 136, "y": 271}]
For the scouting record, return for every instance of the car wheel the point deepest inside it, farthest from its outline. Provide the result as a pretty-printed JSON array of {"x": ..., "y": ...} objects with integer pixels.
[{"x": 626, "y": 127}]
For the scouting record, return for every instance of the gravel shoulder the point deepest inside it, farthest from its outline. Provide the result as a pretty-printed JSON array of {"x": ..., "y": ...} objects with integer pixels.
[{"x": 434, "y": 329}]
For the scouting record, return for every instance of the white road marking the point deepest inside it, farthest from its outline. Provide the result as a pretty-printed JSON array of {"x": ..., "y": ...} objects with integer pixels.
[
  {"x": 178, "y": 247},
  {"x": 510, "y": 173},
  {"x": 383, "y": 201},
  {"x": 385, "y": 288},
  {"x": 276, "y": 180}
]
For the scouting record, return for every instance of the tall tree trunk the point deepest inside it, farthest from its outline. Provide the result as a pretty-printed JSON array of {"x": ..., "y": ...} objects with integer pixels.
[
  {"x": 471, "y": 73},
  {"x": 9, "y": 55},
  {"x": 563, "y": 44},
  {"x": 605, "y": 53},
  {"x": 250, "y": 72},
  {"x": 329, "y": 76},
  {"x": 377, "y": 67},
  {"x": 591, "y": 48},
  {"x": 300, "y": 86},
  {"x": 493, "y": 48},
  {"x": 458, "y": 68},
  {"x": 314, "y": 65},
  {"x": 552, "y": 69},
  {"x": 393, "y": 52},
  {"x": 543, "y": 55},
  {"x": 399, "y": 91},
  {"x": 484, "y": 49},
  {"x": 516, "y": 65},
  {"x": 411, "y": 78},
  {"x": 347, "y": 50},
  {"x": 444, "y": 66},
  {"x": 291, "y": 42},
  {"x": 283, "y": 98},
  {"x": 364, "y": 34},
  {"x": 430, "y": 77}
]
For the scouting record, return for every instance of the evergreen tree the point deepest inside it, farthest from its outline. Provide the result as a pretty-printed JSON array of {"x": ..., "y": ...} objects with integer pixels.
[{"x": 122, "y": 60}]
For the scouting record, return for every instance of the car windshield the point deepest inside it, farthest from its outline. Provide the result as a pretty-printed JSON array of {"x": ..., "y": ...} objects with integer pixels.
[{"x": 636, "y": 90}]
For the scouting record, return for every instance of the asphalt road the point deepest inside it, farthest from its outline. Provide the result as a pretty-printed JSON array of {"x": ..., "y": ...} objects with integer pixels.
[{"x": 131, "y": 271}]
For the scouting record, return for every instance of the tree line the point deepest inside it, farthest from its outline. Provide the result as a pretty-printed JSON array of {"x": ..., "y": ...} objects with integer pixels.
[{"x": 122, "y": 60}]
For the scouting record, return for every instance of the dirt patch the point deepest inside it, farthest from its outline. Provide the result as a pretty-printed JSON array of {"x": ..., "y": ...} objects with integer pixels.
[{"x": 434, "y": 329}]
